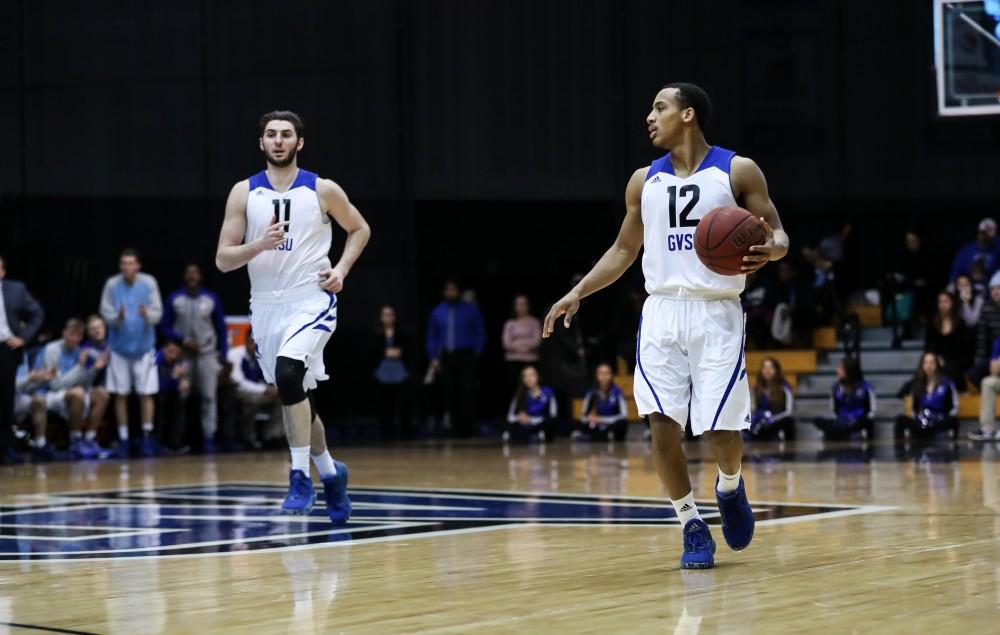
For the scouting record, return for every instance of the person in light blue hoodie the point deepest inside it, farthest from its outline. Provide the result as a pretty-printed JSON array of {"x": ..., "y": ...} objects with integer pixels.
[{"x": 131, "y": 305}]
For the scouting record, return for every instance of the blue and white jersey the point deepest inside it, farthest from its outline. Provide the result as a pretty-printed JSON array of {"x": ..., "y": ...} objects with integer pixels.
[
  {"x": 538, "y": 407},
  {"x": 609, "y": 408},
  {"x": 295, "y": 263},
  {"x": 671, "y": 209},
  {"x": 854, "y": 404},
  {"x": 942, "y": 400}
]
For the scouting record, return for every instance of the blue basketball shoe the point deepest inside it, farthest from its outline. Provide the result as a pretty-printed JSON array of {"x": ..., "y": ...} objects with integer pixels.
[
  {"x": 699, "y": 548},
  {"x": 737, "y": 517},
  {"x": 338, "y": 505},
  {"x": 301, "y": 495}
]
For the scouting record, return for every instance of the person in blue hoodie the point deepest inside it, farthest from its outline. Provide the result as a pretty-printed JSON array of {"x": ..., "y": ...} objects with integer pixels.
[
  {"x": 132, "y": 307},
  {"x": 983, "y": 249},
  {"x": 532, "y": 410},
  {"x": 934, "y": 402},
  {"x": 605, "y": 410},
  {"x": 852, "y": 402}
]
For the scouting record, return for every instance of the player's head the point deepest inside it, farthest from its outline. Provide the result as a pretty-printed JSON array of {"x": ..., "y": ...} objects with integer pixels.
[
  {"x": 129, "y": 264},
  {"x": 676, "y": 108},
  {"x": 97, "y": 330},
  {"x": 281, "y": 137},
  {"x": 529, "y": 378},
  {"x": 603, "y": 376},
  {"x": 73, "y": 333},
  {"x": 192, "y": 276},
  {"x": 452, "y": 290}
]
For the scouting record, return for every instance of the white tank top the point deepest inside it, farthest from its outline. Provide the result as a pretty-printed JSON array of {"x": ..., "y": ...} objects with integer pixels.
[
  {"x": 671, "y": 209},
  {"x": 296, "y": 262}
]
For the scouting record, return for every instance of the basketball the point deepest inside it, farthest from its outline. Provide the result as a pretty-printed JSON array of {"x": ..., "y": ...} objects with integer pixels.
[{"x": 724, "y": 236}]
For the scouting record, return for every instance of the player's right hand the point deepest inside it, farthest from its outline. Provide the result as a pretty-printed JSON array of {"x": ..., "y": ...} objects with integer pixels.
[
  {"x": 568, "y": 306},
  {"x": 274, "y": 235}
]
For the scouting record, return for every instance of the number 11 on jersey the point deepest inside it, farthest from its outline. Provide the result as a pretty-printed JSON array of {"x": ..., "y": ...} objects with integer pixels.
[{"x": 287, "y": 245}]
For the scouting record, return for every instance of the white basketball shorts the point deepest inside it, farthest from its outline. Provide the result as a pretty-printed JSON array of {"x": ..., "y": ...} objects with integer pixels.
[
  {"x": 133, "y": 373},
  {"x": 297, "y": 324},
  {"x": 690, "y": 363},
  {"x": 55, "y": 401}
]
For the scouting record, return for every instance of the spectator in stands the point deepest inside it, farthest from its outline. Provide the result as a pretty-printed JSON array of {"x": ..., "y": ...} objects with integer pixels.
[
  {"x": 68, "y": 392},
  {"x": 522, "y": 336},
  {"x": 853, "y": 404},
  {"x": 456, "y": 337},
  {"x": 564, "y": 360},
  {"x": 757, "y": 306},
  {"x": 989, "y": 389},
  {"x": 822, "y": 290},
  {"x": 533, "y": 410},
  {"x": 20, "y": 318},
  {"x": 980, "y": 283},
  {"x": 98, "y": 355},
  {"x": 28, "y": 383},
  {"x": 131, "y": 305},
  {"x": 193, "y": 315},
  {"x": 773, "y": 402},
  {"x": 933, "y": 402},
  {"x": 948, "y": 337},
  {"x": 605, "y": 410},
  {"x": 987, "y": 331},
  {"x": 393, "y": 352},
  {"x": 970, "y": 303},
  {"x": 174, "y": 375},
  {"x": 906, "y": 285},
  {"x": 254, "y": 395},
  {"x": 982, "y": 249}
]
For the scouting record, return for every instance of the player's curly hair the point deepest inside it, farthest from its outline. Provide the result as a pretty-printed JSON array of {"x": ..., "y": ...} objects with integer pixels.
[
  {"x": 693, "y": 96},
  {"x": 282, "y": 115}
]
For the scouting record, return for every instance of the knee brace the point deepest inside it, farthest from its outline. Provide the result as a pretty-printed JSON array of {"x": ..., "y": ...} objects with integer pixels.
[{"x": 288, "y": 377}]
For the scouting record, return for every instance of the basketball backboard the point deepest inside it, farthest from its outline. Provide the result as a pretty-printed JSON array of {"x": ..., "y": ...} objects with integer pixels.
[{"x": 967, "y": 56}]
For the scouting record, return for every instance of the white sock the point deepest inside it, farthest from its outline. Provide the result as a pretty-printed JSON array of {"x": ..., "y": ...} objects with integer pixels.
[
  {"x": 728, "y": 482},
  {"x": 123, "y": 433},
  {"x": 40, "y": 441},
  {"x": 686, "y": 509},
  {"x": 147, "y": 427},
  {"x": 300, "y": 459},
  {"x": 75, "y": 435},
  {"x": 90, "y": 435},
  {"x": 324, "y": 464}
]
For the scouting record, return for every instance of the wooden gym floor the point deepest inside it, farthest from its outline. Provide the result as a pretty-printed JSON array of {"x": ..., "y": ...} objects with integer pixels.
[{"x": 884, "y": 539}]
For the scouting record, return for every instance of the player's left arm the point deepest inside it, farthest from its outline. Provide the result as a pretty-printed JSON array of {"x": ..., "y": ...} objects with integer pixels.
[
  {"x": 335, "y": 203},
  {"x": 749, "y": 183}
]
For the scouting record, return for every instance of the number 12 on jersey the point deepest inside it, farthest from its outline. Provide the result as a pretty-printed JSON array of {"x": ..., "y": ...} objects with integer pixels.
[
  {"x": 288, "y": 210},
  {"x": 688, "y": 190}
]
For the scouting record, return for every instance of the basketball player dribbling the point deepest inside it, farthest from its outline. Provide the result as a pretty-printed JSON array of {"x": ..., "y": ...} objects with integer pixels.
[
  {"x": 278, "y": 224},
  {"x": 689, "y": 360}
]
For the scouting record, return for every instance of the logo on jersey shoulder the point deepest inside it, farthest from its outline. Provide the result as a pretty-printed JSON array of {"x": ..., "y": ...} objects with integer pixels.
[
  {"x": 655, "y": 179},
  {"x": 238, "y": 517}
]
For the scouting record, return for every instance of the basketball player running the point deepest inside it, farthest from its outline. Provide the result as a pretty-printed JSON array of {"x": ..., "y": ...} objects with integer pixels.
[
  {"x": 691, "y": 335},
  {"x": 278, "y": 224}
]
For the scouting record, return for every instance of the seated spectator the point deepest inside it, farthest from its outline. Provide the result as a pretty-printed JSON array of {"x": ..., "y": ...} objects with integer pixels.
[
  {"x": 522, "y": 336},
  {"x": 970, "y": 303},
  {"x": 773, "y": 404},
  {"x": 175, "y": 388},
  {"x": 853, "y": 404},
  {"x": 948, "y": 338},
  {"x": 98, "y": 354},
  {"x": 29, "y": 399},
  {"x": 254, "y": 395},
  {"x": 934, "y": 402},
  {"x": 981, "y": 250},
  {"x": 757, "y": 306},
  {"x": 987, "y": 330},
  {"x": 989, "y": 389},
  {"x": 532, "y": 411},
  {"x": 605, "y": 410},
  {"x": 68, "y": 393}
]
